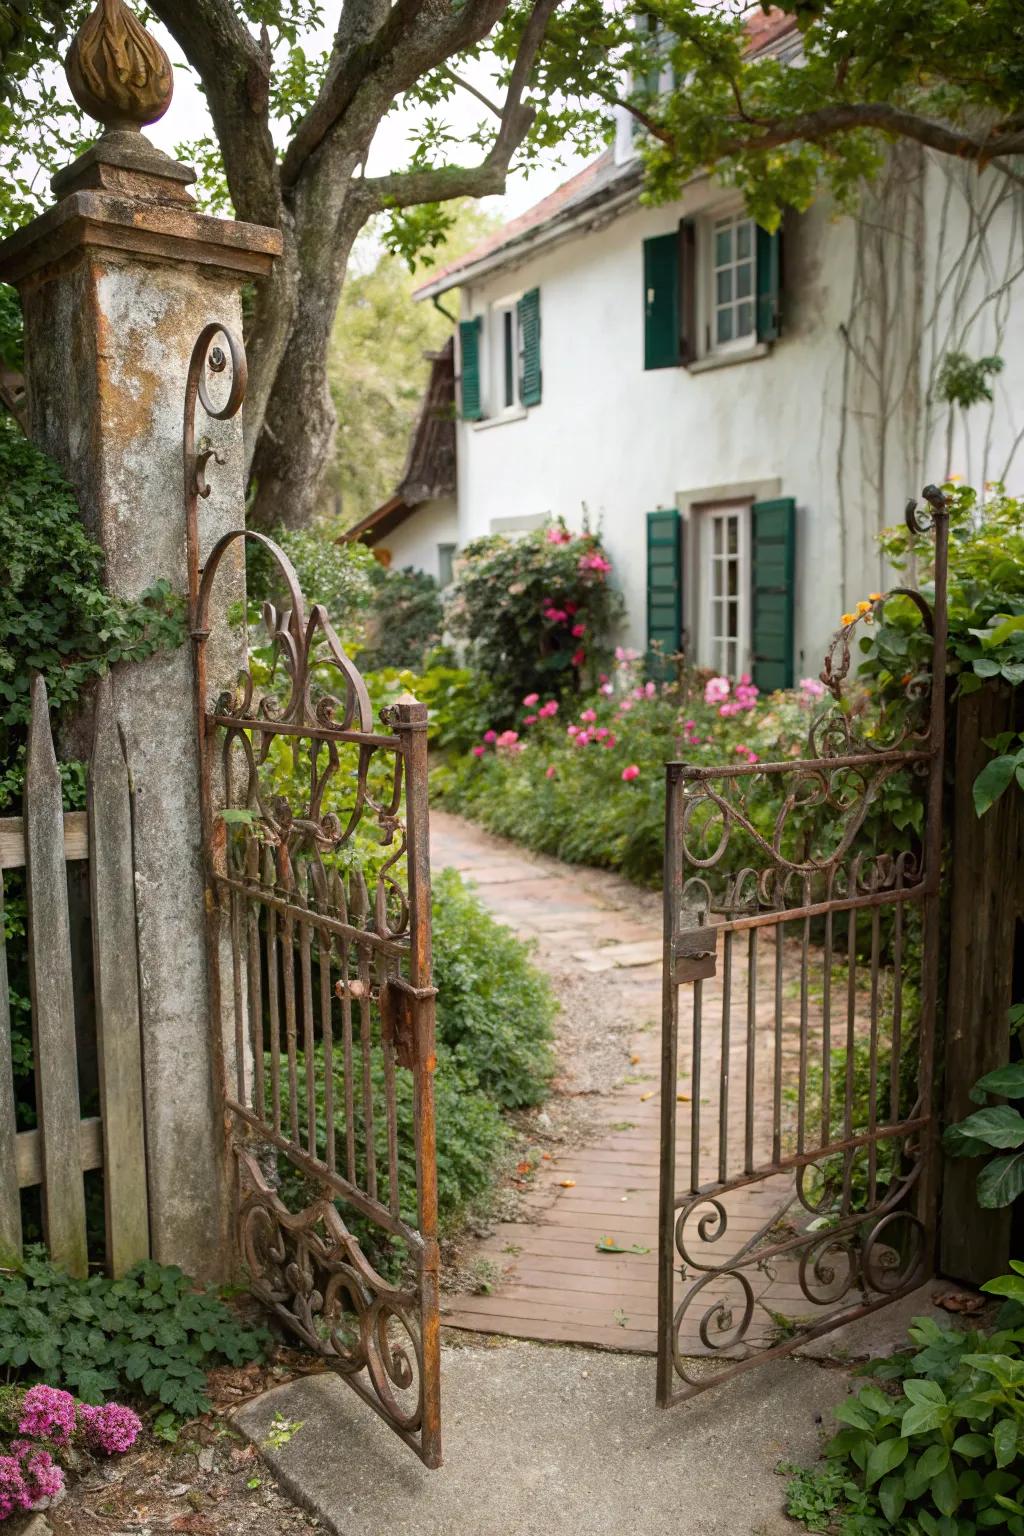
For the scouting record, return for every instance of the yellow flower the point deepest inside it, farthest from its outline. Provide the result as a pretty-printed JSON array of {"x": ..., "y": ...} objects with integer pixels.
[
  {"x": 876, "y": 597},
  {"x": 848, "y": 618},
  {"x": 863, "y": 607}
]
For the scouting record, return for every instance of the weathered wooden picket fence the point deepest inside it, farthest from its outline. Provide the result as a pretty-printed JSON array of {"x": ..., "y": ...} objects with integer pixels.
[{"x": 49, "y": 845}]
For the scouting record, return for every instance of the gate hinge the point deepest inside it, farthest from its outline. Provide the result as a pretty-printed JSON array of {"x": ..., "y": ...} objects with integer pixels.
[
  {"x": 398, "y": 1016},
  {"x": 694, "y": 951}
]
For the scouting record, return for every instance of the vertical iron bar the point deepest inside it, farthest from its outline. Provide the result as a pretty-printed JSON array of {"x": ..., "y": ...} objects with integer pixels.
[
  {"x": 777, "y": 1084},
  {"x": 826, "y": 1022},
  {"x": 326, "y": 950},
  {"x": 851, "y": 1041},
  {"x": 671, "y": 899},
  {"x": 695, "y": 1084},
  {"x": 896, "y": 1046},
  {"x": 308, "y": 1031},
  {"x": 236, "y": 987},
  {"x": 723, "y": 1077},
  {"x": 366, "y": 1043},
  {"x": 272, "y": 997},
  {"x": 411, "y": 723},
  {"x": 873, "y": 1061},
  {"x": 290, "y": 1021},
  {"x": 751, "y": 1087},
  {"x": 254, "y": 967},
  {"x": 805, "y": 945}
]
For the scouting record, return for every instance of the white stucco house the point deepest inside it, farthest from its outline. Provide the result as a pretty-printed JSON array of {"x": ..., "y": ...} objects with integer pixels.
[{"x": 740, "y": 412}]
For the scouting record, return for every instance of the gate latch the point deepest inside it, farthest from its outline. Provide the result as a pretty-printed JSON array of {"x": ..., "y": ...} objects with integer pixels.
[
  {"x": 398, "y": 999},
  {"x": 695, "y": 949}
]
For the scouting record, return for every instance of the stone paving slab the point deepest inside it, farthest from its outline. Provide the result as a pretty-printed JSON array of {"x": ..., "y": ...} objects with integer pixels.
[{"x": 542, "y": 1441}]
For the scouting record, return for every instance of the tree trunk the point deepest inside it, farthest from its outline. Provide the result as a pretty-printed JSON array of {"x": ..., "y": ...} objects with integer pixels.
[{"x": 295, "y": 437}]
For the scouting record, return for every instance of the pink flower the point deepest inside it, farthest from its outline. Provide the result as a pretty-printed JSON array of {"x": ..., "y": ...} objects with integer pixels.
[
  {"x": 48, "y": 1414},
  {"x": 570, "y": 608},
  {"x": 558, "y": 535},
  {"x": 507, "y": 739},
  {"x": 689, "y": 725},
  {"x": 550, "y": 771},
  {"x": 479, "y": 751},
  {"x": 529, "y": 719},
  {"x": 623, "y": 654},
  {"x": 582, "y": 739},
  {"x": 607, "y": 689},
  {"x": 571, "y": 730},
  {"x": 579, "y": 657},
  {"x": 531, "y": 699},
  {"x": 578, "y": 631},
  {"x": 650, "y": 689},
  {"x": 716, "y": 689},
  {"x": 595, "y": 562},
  {"x": 601, "y": 732},
  {"x": 43, "y": 1477},
  {"x": 813, "y": 686},
  {"x": 588, "y": 715},
  {"x": 609, "y": 740},
  {"x": 555, "y": 615},
  {"x": 625, "y": 705},
  {"x": 14, "y": 1494},
  {"x": 490, "y": 737},
  {"x": 549, "y": 710},
  {"x": 111, "y": 1428},
  {"x": 630, "y": 773}
]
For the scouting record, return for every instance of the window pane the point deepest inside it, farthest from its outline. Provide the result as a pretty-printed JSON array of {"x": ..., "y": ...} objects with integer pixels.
[
  {"x": 717, "y": 536},
  {"x": 724, "y": 325},
  {"x": 744, "y": 280},
  {"x": 744, "y": 233},
  {"x": 723, "y": 286},
  {"x": 734, "y": 535},
  {"x": 716, "y": 578},
  {"x": 723, "y": 247},
  {"x": 745, "y": 318},
  {"x": 509, "y": 358},
  {"x": 734, "y": 620}
]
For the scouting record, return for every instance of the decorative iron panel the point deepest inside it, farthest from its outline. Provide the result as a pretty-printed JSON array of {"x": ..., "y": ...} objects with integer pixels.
[
  {"x": 797, "y": 1140},
  {"x": 316, "y": 854}
]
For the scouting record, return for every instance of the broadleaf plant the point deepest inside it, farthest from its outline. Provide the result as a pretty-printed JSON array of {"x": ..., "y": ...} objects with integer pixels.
[{"x": 995, "y": 1128}]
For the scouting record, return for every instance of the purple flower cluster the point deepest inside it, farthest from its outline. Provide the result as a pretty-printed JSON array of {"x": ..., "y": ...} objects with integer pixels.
[
  {"x": 112, "y": 1428},
  {"x": 48, "y": 1414},
  {"x": 28, "y": 1475},
  {"x": 14, "y": 1493}
]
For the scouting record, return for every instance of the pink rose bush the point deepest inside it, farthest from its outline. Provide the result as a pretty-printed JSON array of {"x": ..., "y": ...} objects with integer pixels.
[{"x": 50, "y": 1424}]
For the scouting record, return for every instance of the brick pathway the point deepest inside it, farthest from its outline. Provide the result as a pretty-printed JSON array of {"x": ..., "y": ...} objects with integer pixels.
[{"x": 554, "y": 1284}]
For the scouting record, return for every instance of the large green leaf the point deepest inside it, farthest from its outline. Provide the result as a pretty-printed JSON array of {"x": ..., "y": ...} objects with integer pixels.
[
  {"x": 1005, "y": 1437},
  {"x": 1001, "y": 1182},
  {"x": 1010, "y": 1286},
  {"x": 998, "y": 1125},
  {"x": 1007, "y": 1081},
  {"x": 884, "y": 1458},
  {"x": 993, "y": 778}
]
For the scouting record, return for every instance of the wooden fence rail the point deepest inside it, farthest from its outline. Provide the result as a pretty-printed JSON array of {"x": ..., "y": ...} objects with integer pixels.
[{"x": 65, "y": 1146}]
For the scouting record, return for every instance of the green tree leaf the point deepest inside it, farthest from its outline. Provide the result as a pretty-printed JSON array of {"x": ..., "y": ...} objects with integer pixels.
[
  {"x": 884, "y": 1458},
  {"x": 1001, "y": 1182}
]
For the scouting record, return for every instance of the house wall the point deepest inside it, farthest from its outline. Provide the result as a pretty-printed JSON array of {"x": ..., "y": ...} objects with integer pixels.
[
  {"x": 616, "y": 441},
  {"x": 415, "y": 541}
]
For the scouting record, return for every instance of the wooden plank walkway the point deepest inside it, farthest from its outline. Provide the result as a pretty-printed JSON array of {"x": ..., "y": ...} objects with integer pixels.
[{"x": 554, "y": 1282}]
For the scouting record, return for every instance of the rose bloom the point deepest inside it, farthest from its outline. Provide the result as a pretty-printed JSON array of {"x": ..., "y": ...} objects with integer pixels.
[
  {"x": 588, "y": 715},
  {"x": 630, "y": 773},
  {"x": 490, "y": 737},
  {"x": 479, "y": 751},
  {"x": 531, "y": 699},
  {"x": 550, "y": 771}
]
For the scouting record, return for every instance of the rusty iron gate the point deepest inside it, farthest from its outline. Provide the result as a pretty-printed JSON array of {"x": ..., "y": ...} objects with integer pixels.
[
  {"x": 797, "y": 1136},
  {"x": 317, "y": 867}
]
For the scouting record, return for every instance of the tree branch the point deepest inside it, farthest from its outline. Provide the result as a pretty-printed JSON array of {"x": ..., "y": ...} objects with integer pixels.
[
  {"x": 467, "y": 86},
  {"x": 847, "y": 117},
  {"x": 234, "y": 68},
  {"x": 440, "y": 183}
]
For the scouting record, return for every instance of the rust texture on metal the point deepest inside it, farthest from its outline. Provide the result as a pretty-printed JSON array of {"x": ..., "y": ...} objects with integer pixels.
[
  {"x": 792, "y": 1043},
  {"x": 322, "y": 937}
]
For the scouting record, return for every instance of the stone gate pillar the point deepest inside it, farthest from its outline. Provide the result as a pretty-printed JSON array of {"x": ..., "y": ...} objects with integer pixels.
[{"x": 117, "y": 279}]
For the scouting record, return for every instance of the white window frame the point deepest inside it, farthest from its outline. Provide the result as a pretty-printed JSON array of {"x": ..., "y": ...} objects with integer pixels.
[
  {"x": 729, "y": 656},
  {"x": 710, "y": 222},
  {"x": 499, "y": 407}
]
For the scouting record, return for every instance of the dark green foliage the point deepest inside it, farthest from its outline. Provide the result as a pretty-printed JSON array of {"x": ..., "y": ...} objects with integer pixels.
[
  {"x": 494, "y": 1009},
  {"x": 406, "y": 619},
  {"x": 933, "y": 1447},
  {"x": 964, "y": 381},
  {"x": 151, "y": 1334},
  {"x": 55, "y": 617},
  {"x": 537, "y": 613},
  {"x": 12, "y": 334},
  {"x": 995, "y": 1127}
]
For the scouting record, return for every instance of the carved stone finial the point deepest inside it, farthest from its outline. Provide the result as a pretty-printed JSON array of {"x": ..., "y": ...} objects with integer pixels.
[{"x": 118, "y": 74}]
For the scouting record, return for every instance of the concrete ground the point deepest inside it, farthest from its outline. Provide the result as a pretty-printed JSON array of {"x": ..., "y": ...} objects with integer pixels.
[
  {"x": 547, "y": 1441},
  {"x": 544, "y": 1440}
]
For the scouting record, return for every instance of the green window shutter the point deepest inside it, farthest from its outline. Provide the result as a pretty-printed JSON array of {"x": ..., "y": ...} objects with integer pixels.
[
  {"x": 773, "y": 582},
  {"x": 688, "y": 349},
  {"x": 469, "y": 352},
  {"x": 769, "y": 283},
  {"x": 528, "y": 309},
  {"x": 664, "y": 590},
  {"x": 662, "y": 298}
]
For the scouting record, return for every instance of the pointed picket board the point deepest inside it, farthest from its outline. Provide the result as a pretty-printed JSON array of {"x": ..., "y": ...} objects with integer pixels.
[
  {"x": 53, "y": 1002},
  {"x": 10, "y": 1202},
  {"x": 116, "y": 980}
]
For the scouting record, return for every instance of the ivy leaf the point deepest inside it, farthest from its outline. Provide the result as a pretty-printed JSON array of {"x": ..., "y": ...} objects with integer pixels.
[{"x": 992, "y": 781}]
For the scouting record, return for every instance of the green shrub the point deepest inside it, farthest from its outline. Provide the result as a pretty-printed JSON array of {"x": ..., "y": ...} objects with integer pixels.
[
  {"x": 537, "y": 612},
  {"x": 933, "y": 1448},
  {"x": 494, "y": 1008},
  {"x": 340, "y": 576},
  {"x": 406, "y": 619},
  {"x": 152, "y": 1334}
]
